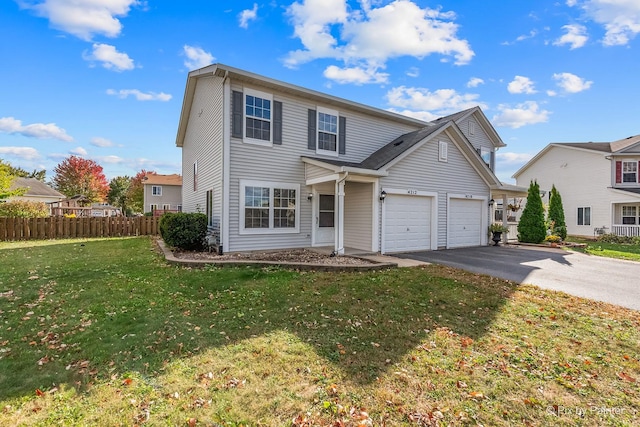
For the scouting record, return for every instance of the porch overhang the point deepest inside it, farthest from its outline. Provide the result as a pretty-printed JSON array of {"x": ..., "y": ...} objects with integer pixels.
[
  {"x": 504, "y": 191},
  {"x": 337, "y": 170}
]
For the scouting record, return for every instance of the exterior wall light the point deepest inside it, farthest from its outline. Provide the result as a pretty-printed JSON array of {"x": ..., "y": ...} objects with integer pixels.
[{"x": 383, "y": 195}]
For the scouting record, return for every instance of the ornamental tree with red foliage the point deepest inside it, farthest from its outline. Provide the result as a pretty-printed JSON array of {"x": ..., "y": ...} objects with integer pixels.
[
  {"x": 135, "y": 194},
  {"x": 78, "y": 176}
]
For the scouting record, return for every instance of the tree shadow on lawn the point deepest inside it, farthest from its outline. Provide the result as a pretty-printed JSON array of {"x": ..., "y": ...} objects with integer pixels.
[{"x": 81, "y": 314}]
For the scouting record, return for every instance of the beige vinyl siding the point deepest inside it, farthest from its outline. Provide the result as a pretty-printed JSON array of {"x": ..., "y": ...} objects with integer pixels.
[
  {"x": 421, "y": 170},
  {"x": 312, "y": 171},
  {"x": 171, "y": 195},
  {"x": 582, "y": 177},
  {"x": 358, "y": 215},
  {"x": 204, "y": 143},
  {"x": 282, "y": 163}
]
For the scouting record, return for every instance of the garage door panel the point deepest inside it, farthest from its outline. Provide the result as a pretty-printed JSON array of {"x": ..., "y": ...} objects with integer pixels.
[
  {"x": 407, "y": 223},
  {"x": 465, "y": 223}
]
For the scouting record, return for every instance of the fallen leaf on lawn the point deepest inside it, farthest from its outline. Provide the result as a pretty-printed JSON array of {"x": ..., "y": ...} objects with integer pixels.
[
  {"x": 466, "y": 341},
  {"x": 39, "y": 392},
  {"x": 476, "y": 395},
  {"x": 127, "y": 381},
  {"x": 626, "y": 377},
  {"x": 461, "y": 384},
  {"x": 191, "y": 422}
]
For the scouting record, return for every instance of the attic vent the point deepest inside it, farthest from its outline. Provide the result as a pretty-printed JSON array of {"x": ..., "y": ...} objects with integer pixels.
[{"x": 398, "y": 143}]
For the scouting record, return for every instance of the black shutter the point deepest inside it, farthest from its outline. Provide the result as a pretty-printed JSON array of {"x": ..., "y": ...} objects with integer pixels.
[
  {"x": 277, "y": 123},
  {"x": 342, "y": 135},
  {"x": 311, "y": 141},
  {"x": 236, "y": 115}
]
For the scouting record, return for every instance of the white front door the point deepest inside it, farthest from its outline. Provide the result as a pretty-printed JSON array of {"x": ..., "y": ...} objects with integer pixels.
[{"x": 324, "y": 220}]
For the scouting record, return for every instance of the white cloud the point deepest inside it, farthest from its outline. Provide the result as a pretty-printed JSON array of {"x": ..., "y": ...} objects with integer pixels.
[
  {"x": 248, "y": 15},
  {"x": 196, "y": 57},
  {"x": 101, "y": 142},
  {"x": 522, "y": 37},
  {"x": 571, "y": 83},
  {"x": 140, "y": 96},
  {"x": 620, "y": 18},
  {"x": 420, "y": 115},
  {"x": 79, "y": 151},
  {"x": 26, "y": 153},
  {"x": 110, "y": 58},
  {"x": 355, "y": 75},
  {"x": 527, "y": 113},
  {"x": 413, "y": 72},
  {"x": 576, "y": 36},
  {"x": 513, "y": 158},
  {"x": 521, "y": 84},
  {"x": 35, "y": 130},
  {"x": 110, "y": 159},
  {"x": 440, "y": 102},
  {"x": 475, "y": 82},
  {"x": 83, "y": 19},
  {"x": 372, "y": 35}
]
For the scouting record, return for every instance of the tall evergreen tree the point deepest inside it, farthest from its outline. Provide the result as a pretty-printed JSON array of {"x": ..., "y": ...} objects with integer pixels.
[
  {"x": 531, "y": 228},
  {"x": 556, "y": 214}
]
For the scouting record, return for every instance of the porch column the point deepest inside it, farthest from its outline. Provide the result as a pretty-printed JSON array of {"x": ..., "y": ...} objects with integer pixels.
[
  {"x": 339, "y": 216},
  {"x": 505, "y": 222}
]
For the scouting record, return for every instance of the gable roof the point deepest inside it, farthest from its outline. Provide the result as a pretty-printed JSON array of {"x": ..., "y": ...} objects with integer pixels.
[
  {"x": 224, "y": 71},
  {"x": 615, "y": 147},
  {"x": 156, "y": 179},
  {"x": 480, "y": 118},
  {"x": 35, "y": 188}
]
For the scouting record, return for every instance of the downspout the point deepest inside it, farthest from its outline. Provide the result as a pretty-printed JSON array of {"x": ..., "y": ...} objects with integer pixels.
[
  {"x": 226, "y": 161},
  {"x": 339, "y": 237}
]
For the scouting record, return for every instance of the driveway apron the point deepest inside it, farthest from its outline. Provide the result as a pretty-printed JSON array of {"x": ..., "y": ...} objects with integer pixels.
[{"x": 598, "y": 278}]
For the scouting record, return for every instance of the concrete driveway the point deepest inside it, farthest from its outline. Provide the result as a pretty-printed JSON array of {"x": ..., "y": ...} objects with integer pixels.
[{"x": 602, "y": 279}]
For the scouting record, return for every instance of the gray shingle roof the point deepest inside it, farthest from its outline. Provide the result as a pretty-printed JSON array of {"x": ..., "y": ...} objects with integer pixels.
[{"x": 35, "y": 187}]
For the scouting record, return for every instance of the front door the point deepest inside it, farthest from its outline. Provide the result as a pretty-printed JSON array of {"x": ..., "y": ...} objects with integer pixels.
[{"x": 325, "y": 217}]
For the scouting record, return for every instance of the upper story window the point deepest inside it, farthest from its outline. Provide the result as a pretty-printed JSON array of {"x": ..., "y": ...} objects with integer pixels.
[
  {"x": 630, "y": 171},
  {"x": 485, "y": 153},
  {"x": 327, "y": 131},
  {"x": 156, "y": 190},
  {"x": 257, "y": 115}
]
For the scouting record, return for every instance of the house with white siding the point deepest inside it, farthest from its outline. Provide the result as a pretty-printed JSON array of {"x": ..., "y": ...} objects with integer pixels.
[
  {"x": 162, "y": 193},
  {"x": 599, "y": 183},
  {"x": 275, "y": 166}
]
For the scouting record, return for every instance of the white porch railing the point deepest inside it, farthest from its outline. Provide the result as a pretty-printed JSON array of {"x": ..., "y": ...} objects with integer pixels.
[{"x": 626, "y": 230}]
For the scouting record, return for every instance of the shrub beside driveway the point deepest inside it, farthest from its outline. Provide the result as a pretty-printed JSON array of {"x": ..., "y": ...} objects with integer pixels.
[{"x": 105, "y": 332}]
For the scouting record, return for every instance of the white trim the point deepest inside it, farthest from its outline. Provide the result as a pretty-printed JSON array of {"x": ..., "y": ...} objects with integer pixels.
[
  {"x": 263, "y": 95},
  {"x": 484, "y": 220},
  {"x": 332, "y": 113},
  {"x": 375, "y": 223},
  {"x": 322, "y": 179},
  {"x": 271, "y": 185},
  {"x": 433, "y": 244},
  {"x": 226, "y": 166}
]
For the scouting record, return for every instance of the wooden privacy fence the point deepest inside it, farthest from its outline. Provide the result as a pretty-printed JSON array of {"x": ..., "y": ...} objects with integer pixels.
[{"x": 57, "y": 227}]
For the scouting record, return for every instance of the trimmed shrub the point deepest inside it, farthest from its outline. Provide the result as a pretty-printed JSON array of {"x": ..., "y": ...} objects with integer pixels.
[
  {"x": 556, "y": 214},
  {"x": 24, "y": 209},
  {"x": 531, "y": 228},
  {"x": 184, "y": 230}
]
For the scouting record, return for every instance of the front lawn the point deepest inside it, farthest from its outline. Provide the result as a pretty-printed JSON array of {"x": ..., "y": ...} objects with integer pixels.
[
  {"x": 610, "y": 250},
  {"x": 104, "y": 332}
]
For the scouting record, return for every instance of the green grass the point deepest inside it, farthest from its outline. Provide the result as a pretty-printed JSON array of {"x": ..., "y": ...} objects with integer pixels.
[
  {"x": 610, "y": 250},
  {"x": 104, "y": 332}
]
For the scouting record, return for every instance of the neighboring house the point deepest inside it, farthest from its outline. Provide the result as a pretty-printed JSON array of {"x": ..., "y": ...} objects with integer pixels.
[
  {"x": 162, "y": 193},
  {"x": 599, "y": 183},
  {"x": 37, "y": 191},
  {"x": 276, "y": 166}
]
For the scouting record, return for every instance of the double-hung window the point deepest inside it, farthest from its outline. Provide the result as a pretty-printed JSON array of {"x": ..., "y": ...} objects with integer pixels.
[
  {"x": 629, "y": 215},
  {"x": 630, "y": 171},
  {"x": 257, "y": 109},
  {"x": 327, "y": 131},
  {"x": 156, "y": 190},
  {"x": 584, "y": 216},
  {"x": 268, "y": 207}
]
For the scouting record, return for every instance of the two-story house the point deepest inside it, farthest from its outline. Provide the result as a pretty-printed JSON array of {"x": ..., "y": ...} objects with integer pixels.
[
  {"x": 162, "y": 193},
  {"x": 599, "y": 183},
  {"x": 274, "y": 166}
]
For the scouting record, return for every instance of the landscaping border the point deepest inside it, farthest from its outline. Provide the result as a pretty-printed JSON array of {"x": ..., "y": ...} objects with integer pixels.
[{"x": 200, "y": 263}]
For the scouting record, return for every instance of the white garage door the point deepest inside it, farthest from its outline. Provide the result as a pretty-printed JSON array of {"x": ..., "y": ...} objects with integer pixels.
[
  {"x": 465, "y": 222},
  {"x": 407, "y": 223}
]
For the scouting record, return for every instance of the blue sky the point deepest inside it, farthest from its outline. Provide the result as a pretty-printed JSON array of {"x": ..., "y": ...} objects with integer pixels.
[{"x": 104, "y": 79}]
